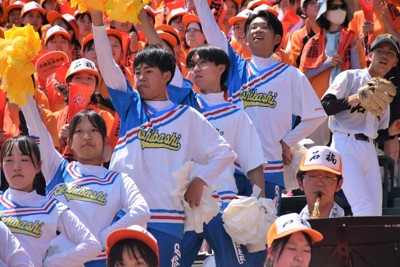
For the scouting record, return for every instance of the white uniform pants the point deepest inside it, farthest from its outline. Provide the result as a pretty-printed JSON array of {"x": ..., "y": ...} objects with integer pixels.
[{"x": 362, "y": 182}]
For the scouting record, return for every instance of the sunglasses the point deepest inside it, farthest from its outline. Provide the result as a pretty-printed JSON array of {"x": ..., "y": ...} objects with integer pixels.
[{"x": 336, "y": 6}]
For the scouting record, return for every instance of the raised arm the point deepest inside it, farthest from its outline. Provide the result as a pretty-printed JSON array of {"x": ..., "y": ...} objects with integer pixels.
[
  {"x": 50, "y": 157},
  {"x": 210, "y": 27},
  {"x": 153, "y": 38},
  {"x": 111, "y": 72}
]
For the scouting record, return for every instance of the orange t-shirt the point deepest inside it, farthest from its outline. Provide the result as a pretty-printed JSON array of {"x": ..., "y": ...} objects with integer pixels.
[
  {"x": 11, "y": 122},
  {"x": 243, "y": 53},
  {"x": 297, "y": 41},
  {"x": 379, "y": 28}
]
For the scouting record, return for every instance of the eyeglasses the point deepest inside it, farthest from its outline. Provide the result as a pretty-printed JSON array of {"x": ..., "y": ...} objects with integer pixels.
[
  {"x": 200, "y": 64},
  {"x": 336, "y": 6},
  {"x": 325, "y": 179}
]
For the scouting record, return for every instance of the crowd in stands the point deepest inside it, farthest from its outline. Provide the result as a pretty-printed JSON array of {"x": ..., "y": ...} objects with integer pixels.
[{"x": 132, "y": 126}]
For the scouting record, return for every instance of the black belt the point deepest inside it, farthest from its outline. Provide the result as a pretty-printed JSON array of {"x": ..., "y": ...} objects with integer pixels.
[{"x": 360, "y": 136}]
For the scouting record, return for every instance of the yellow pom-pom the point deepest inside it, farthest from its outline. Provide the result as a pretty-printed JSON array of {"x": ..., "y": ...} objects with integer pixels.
[
  {"x": 19, "y": 48},
  {"x": 84, "y": 5},
  {"x": 126, "y": 10}
]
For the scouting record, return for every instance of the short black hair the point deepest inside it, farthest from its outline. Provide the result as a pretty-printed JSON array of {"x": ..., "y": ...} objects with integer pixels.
[
  {"x": 82, "y": 15},
  {"x": 95, "y": 119},
  {"x": 280, "y": 244},
  {"x": 270, "y": 18},
  {"x": 212, "y": 54},
  {"x": 156, "y": 56},
  {"x": 134, "y": 247},
  {"x": 25, "y": 144},
  {"x": 30, "y": 148}
]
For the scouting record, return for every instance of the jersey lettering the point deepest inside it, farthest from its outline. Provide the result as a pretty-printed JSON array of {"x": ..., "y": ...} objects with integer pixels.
[
  {"x": 251, "y": 98},
  {"x": 15, "y": 225},
  {"x": 81, "y": 194},
  {"x": 358, "y": 109},
  {"x": 221, "y": 132},
  {"x": 151, "y": 138}
]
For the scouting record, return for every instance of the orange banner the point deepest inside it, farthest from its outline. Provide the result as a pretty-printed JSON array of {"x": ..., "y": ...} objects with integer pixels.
[
  {"x": 79, "y": 98},
  {"x": 49, "y": 62}
]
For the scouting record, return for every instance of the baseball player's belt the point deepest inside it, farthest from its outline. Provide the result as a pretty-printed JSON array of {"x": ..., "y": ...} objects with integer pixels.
[{"x": 360, "y": 136}]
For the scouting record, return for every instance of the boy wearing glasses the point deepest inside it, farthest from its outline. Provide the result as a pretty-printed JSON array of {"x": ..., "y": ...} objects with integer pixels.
[{"x": 320, "y": 175}]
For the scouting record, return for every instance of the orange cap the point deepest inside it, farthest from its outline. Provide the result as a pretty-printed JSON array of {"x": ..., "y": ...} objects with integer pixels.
[
  {"x": 14, "y": 5},
  {"x": 32, "y": 6},
  {"x": 289, "y": 224},
  {"x": 189, "y": 18},
  {"x": 132, "y": 232},
  {"x": 167, "y": 37},
  {"x": 175, "y": 13},
  {"x": 242, "y": 16},
  {"x": 114, "y": 32},
  {"x": 169, "y": 29},
  {"x": 258, "y": 5},
  {"x": 54, "y": 15}
]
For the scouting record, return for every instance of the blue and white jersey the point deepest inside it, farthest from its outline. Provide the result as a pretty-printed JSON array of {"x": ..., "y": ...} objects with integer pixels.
[
  {"x": 233, "y": 125},
  {"x": 35, "y": 221},
  {"x": 92, "y": 192},
  {"x": 156, "y": 139},
  {"x": 272, "y": 94}
]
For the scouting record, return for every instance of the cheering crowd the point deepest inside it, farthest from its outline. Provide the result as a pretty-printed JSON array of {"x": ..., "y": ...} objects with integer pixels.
[{"x": 140, "y": 140}]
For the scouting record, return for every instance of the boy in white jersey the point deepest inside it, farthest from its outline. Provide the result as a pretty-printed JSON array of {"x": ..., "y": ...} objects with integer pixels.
[
  {"x": 354, "y": 128},
  {"x": 273, "y": 94},
  {"x": 157, "y": 137}
]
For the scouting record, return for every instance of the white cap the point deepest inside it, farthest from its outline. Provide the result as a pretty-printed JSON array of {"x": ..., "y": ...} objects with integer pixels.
[
  {"x": 82, "y": 65},
  {"x": 56, "y": 30}
]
